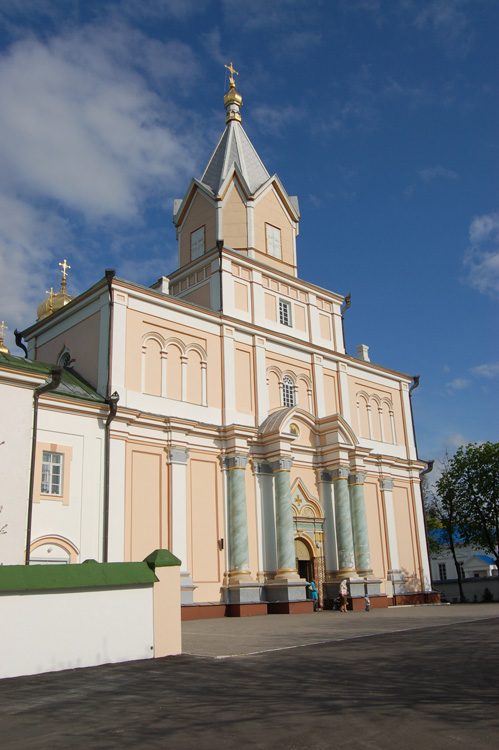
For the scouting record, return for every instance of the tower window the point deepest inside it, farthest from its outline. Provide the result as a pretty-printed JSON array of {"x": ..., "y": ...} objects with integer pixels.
[
  {"x": 197, "y": 243},
  {"x": 288, "y": 391},
  {"x": 284, "y": 312},
  {"x": 442, "y": 571},
  {"x": 273, "y": 241},
  {"x": 52, "y": 465}
]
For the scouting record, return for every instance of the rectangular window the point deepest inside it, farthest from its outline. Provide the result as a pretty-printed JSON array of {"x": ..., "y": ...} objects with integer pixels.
[
  {"x": 284, "y": 312},
  {"x": 197, "y": 243},
  {"x": 52, "y": 467},
  {"x": 273, "y": 241},
  {"x": 442, "y": 571},
  {"x": 461, "y": 570}
]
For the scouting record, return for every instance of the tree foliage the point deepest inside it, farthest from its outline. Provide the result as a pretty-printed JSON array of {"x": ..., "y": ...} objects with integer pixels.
[{"x": 469, "y": 485}]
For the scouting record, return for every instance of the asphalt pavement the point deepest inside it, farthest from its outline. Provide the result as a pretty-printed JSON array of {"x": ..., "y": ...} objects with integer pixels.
[{"x": 410, "y": 677}]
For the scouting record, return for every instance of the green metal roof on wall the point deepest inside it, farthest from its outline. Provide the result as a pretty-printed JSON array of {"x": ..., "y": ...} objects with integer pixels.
[{"x": 72, "y": 384}]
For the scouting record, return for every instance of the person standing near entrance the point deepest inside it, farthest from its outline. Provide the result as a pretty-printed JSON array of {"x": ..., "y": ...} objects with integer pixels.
[
  {"x": 343, "y": 595},
  {"x": 313, "y": 594}
]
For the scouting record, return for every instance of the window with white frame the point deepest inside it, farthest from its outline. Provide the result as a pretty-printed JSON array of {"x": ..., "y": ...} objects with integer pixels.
[
  {"x": 273, "y": 241},
  {"x": 442, "y": 571},
  {"x": 288, "y": 391},
  {"x": 52, "y": 468},
  {"x": 284, "y": 312},
  {"x": 461, "y": 570},
  {"x": 197, "y": 243}
]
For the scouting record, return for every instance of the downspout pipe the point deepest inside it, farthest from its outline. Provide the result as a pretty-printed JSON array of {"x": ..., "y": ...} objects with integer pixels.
[
  {"x": 56, "y": 373},
  {"x": 348, "y": 303},
  {"x": 415, "y": 383},
  {"x": 112, "y": 400},
  {"x": 113, "y": 407}
]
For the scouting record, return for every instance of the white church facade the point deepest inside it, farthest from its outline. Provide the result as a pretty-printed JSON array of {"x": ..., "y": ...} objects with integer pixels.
[{"x": 220, "y": 417}]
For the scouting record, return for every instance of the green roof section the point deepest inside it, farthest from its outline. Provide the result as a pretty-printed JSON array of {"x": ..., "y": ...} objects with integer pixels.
[
  {"x": 162, "y": 558},
  {"x": 72, "y": 384},
  {"x": 89, "y": 574}
]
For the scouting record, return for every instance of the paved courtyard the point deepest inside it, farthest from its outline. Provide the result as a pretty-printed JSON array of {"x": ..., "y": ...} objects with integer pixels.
[{"x": 415, "y": 677}]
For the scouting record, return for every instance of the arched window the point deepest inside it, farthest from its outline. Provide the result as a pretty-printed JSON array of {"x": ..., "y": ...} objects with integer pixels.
[{"x": 288, "y": 391}]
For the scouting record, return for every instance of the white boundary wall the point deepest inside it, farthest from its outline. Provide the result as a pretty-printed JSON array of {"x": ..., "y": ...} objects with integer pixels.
[{"x": 46, "y": 631}]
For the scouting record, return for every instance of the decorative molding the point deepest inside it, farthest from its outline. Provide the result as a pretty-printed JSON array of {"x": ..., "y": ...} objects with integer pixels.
[
  {"x": 261, "y": 467},
  {"x": 386, "y": 484}
]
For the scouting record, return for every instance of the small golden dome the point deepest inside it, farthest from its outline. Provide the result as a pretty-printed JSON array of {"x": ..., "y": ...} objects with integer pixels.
[{"x": 54, "y": 302}]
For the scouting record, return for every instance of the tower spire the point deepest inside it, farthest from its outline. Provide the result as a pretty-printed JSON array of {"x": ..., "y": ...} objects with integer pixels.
[{"x": 232, "y": 100}]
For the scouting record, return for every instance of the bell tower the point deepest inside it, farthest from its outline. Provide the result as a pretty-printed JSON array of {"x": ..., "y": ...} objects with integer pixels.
[{"x": 236, "y": 205}]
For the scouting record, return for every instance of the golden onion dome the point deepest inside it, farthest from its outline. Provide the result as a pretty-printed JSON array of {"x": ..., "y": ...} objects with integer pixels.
[{"x": 54, "y": 302}]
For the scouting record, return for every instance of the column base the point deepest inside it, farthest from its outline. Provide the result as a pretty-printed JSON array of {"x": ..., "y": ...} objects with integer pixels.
[
  {"x": 286, "y": 590},
  {"x": 397, "y": 579},
  {"x": 242, "y": 593},
  {"x": 187, "y": 588}
]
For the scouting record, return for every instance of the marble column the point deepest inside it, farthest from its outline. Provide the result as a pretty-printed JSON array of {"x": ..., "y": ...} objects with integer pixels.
[
  {"x": 238, "y": 521},
  {"x": 286, "y": 559},
  {"x": 343, "y": 517},
  {"x": 330, "y": 546},
  {"x": 359, "y": 524}
]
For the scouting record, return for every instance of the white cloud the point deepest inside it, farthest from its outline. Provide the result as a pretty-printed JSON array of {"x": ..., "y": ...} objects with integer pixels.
[
  {"x": 80, "y": 126},
  {"x": 489, "y": 371},
  {"x": 482, "y": 256},
  {"x": 453, "y": 442},
  {"x": 459, "y": 384},
  {"x": 431, "y": 173}
]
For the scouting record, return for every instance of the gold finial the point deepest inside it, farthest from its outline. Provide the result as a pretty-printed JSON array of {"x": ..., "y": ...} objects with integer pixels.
[
  {"x": 3, "y": 328},
  {"x": 233, "y": 101},
  {"x": 65, "y": 267},
  {"x": 232, "y": 71}
]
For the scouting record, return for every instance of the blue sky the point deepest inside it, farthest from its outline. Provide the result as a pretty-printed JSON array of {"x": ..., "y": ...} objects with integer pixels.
[{"x": 380, "y": 115}]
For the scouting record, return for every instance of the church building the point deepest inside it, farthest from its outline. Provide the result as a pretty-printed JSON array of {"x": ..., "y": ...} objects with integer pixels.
[{"x": 217, "y": 414}]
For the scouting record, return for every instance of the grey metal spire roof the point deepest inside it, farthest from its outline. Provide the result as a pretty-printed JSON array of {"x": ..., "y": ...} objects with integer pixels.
[{"x": 236, "y": 148}]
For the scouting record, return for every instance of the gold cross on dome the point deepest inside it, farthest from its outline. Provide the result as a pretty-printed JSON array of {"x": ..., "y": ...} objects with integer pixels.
[
  {"x": 51, "y": 296},
  {"x": 65, "y": 267},
  {"x": 232, "y": 71},
  {"x": 3, "y": 328}
]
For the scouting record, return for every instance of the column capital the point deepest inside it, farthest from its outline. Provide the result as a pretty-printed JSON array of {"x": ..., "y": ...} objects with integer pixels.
[
  {"x": 342, "y": 472},
  {"x": 282, "y": 464},
  {"x": 261, "y": 467},
  {"x": 238, "y": 461},
  {"x": 358, "y": 477},
  {"x": 325, "y": 476},
  {"x": 178, "y": 455},
  {"x": 386, "y": 484}
]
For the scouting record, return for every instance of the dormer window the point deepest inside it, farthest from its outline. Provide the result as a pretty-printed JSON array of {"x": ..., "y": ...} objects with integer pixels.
[
  {"x": 273, "y": 241},
  {"x": 197, "y": 243}
]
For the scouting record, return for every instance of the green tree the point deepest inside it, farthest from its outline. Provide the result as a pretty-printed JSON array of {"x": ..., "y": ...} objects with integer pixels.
[
  {"x": 472, "y": 479},
  {"x": 444, "y": 510}
]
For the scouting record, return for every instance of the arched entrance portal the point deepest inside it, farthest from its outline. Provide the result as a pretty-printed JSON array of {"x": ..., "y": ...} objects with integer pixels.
[{"x": 304, "y": 560}]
